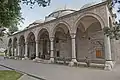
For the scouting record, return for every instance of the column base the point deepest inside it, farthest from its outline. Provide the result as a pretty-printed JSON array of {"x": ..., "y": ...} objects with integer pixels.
[
  {"x": 51, "y": 60},
  {"x": 108, "y": 65},
  {"x": 15, "y": 58},
  {"x": 72, "y": 63},
  {"x": 25, "y": 58},
  {"x": 36, "y": 59}
]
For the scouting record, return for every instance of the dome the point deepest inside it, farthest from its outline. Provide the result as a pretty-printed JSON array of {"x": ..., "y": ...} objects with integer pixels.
[
  {"x": 49, "y": 19},
  {"x": 90, "y": 4},
  {"x": 35, "y": 23},
  {"x": 59, "y": 13},
  {"x": 38, "y": 21}
]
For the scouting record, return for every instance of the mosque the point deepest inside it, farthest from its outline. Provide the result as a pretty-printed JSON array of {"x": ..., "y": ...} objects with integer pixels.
[{"x": 70, "y": 35}]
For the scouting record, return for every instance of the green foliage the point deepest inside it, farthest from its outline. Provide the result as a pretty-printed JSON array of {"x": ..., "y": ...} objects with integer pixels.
[
  {"x": 10, "y": 15},
  {"x": 10, "y": 11},
  {"x": 2, "y": 33},
  {"x": 13, "y": 29},
  {"x": 31, "y": 3},
  {"x": 9, "y": 75},
  {"x": 113, "y": 32}
]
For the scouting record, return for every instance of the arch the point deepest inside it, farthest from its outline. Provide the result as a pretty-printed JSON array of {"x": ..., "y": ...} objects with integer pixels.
[
  {"x": 10, "y": 47},
  {"x": 41, "y": 31},
  {"x": 31, "y": 45},
  {"x": 93, "y": 28},
  {"x": 90, "y": 41},
  {"x": 10, "y": 42},
  {"x": 110, "y": 22},
  {"x": 29, "y": 36},
  {"x": 62, "y": 41},
  {"x": 21, "y": 38},
  {"x": 14, "y": 41},
  {"x": 21, "y": 46},
  {"x": 14, "y": 46},
  {"x": 61, "y": 23},
  {"x": 97, "y": 17},
  {"x": 43, "y": 43}
]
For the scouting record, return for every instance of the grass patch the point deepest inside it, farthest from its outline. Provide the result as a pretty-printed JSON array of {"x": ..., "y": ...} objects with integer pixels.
[
  {"x": 1, "y": 54},
  {"x": 9, "y": 75}
]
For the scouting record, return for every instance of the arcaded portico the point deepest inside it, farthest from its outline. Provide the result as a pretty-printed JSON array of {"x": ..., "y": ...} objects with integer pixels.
[{"x": 69, "y": 34}]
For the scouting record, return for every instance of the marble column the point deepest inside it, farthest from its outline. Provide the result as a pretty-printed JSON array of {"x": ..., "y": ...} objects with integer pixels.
[
  {"x": 41, "y": 46},
  {"x": 73, "y": 48},
  {"x": 18, "y": 46},
  {"x": 12, "y": 50},
  {"x": 26, "y": 50},
  {"x": 52, "y": 49},
  {"x": 37, "y": 53},
  {"x": 108, "y": 56},
  {"x": 73, "y": 35}
]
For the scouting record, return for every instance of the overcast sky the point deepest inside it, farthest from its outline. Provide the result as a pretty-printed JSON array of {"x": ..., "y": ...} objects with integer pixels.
[{"x": 37, "y": 12}]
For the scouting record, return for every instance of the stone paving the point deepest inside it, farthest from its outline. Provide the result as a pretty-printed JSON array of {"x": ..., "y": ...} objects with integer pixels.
[
  {"x": 26, "y": 77},
  {"x": 60, "y": 72},
  {"x": 3, "y": 68}
]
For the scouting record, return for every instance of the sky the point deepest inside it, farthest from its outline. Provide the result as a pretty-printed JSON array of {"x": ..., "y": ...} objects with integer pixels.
[{"x": 37, "y": 13}]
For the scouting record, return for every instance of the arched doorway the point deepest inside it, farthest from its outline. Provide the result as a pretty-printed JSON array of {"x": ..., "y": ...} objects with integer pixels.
[
  {"x": 62, "y": 42},
  {"x": 31, "y": 46},
  {"x": 10, "y": 47},
  {"x": 44, "y": 44},
  {"x": 89, "y": 39},
  {"x": 22, "y": 46},
  {"x": 15, "y": 46}
]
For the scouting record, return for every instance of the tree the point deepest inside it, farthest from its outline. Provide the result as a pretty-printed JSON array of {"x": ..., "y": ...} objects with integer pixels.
[
  {"x": 113, "y": 31},
  {"x": 13, "y": 29},
  {"x": 10, "y": 15},
  {"x": 10, "y": 10}
]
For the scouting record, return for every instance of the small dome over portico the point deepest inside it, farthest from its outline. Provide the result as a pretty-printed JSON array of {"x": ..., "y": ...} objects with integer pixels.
[{"x": 58, "y": 13}]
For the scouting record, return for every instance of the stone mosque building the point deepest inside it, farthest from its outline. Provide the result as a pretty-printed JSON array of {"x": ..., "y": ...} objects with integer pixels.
[{"x": 69, "y": 34}]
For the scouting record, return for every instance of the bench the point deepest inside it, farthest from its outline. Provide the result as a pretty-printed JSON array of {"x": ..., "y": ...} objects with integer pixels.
[
  {"x": 97, "y": 62},
  {"x": 82, "y": 61},
  {"x": 62, "y": 60},
  {"x": 90, "y": 62}
]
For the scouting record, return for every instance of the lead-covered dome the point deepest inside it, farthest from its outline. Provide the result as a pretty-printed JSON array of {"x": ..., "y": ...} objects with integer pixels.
[
  {"x": 91, "y": 4},
  {"x": 35, "y": 23},
  {"x": 58, "y": 13}
]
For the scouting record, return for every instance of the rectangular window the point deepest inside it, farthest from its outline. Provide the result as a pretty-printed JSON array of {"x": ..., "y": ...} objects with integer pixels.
[
  {"x": 58, "y": 53},
  {"x": 57, "y": 40},
  {"x": 98, "y": 54}
]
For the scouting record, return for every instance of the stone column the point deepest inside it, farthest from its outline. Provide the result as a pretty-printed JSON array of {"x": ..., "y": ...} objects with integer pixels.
[
  {"x": 26, "y": 51},
  {"x": 37, "y": 53},
  {"x": 108, "y": 57},
  {"x": 41, "y": 46},
  {"x": 52, "y": 49},
  {"x": 73, "y": 35},
  {"x": 12, "y": 50},
  {"x": 18, "y": 46}
]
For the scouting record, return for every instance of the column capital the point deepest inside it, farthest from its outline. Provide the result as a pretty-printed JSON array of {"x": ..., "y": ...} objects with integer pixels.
[
  {"x": 26, "y": 43},
  {"x": 73, "y": 35},
  {"x": 18, "y": 44},
  {"x": 51, "y": 38},
  {"x": 37, "y": 41}
]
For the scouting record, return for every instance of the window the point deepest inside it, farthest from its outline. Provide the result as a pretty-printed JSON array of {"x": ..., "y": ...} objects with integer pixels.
[
  {"x": 98, "y": 53},
  {"x": 57, "y": 40},
  {"x": 58, "y": 53}
]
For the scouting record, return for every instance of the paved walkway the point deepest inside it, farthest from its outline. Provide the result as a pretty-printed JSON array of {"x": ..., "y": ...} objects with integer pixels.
[
  {"x": 60, "y": 72},
  {"x": 3, "y": 68},
  {"x": 26, "y": 77}
]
